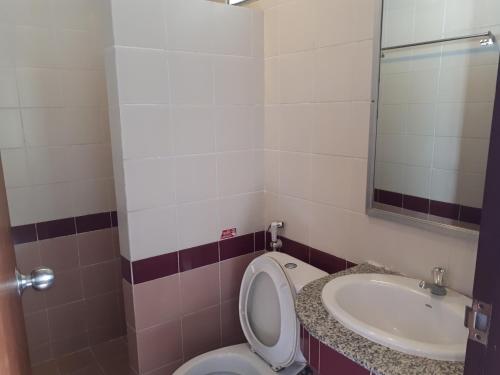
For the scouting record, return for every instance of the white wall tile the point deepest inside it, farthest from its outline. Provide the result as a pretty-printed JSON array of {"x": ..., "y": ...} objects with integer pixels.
[
  {"x": 7, "y": 46},
  {"x": 236, "y": 128},
  {"x": 296, "y": 78},
  {"x": 91, "y": 196},
  {"x": 39, "y": 87},
  {"x": 139, "y": 24},
  {"x": 295, "y": 132},
  {"x": 74, "y": 14},
  {"x": 232, "y": 31},
  {"x": 15, "y": 168},
  {"x": 146, "y": 131},
  {"x": 53, "y": 201},
  {"x": 243, "y": 212},
  {"x": 195, "y": 178},
  {"x": 149, "y": 183},
  {"x": 340, "y": 31},
  {"x": 21, "y": 206},
  {"x": 35, "y": 47},
  {"x": 11, "y": 130},
  {"x": 191, "y": 78},
  {"x": 416, "y": 181},
  {"x": 194, "y": 130},
  {"x": 447, "y": 153},
  {"x": 333, "y": 73},
  {"x": 297, "y": 26},
  {"x": 236, "y": 172},
  {"x": 233, "y": 87},
  {"x": 295, "y": 174},
  {"x": 272, "y": 81},
  {"x": 33, "y": 12},
  {"x": 152, "y": 232},
  {"x": 79, "y": 49},
  {"x": 444, "y": 185},
  {"x": 198, "y": 223},
  {"x": 471, "y": 189},
  {"x": 296, "y": 214},
  {"x": 142, "y": 76},
  {"x": 271, "y": 32},
  {"x": 83, "y": 88},
  {"x": 48, "y": 165},
  {"x": 91, "y": 161},
  {"x": 190, "y": 25}
]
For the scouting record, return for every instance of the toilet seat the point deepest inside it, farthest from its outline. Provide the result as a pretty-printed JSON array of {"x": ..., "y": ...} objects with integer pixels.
[
  {"x": 270, "y": 325},
  {"x": 231, "y": 360}
]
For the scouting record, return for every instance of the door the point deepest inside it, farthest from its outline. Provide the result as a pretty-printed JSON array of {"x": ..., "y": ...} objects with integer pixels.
[
  {"x": 485, "y": 359},
  {"x": 14, "y": 358}
]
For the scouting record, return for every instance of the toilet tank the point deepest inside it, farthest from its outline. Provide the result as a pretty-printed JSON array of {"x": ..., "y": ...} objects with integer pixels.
[{"x": 298, "y": 272}]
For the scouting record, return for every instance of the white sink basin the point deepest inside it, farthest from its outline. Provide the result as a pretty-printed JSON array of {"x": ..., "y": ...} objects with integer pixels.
[{"x": 393, "y": 311}]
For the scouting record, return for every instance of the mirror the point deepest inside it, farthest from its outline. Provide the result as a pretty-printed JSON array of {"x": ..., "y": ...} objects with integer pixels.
[{"x": 431, "y": 125}]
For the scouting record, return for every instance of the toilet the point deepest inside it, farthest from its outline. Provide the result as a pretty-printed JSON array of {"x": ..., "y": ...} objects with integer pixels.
[{"x": 268, "y": 319}]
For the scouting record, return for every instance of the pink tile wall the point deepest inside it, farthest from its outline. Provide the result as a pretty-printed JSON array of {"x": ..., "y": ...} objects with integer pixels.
[
  {"x": 85, "y": 305},
  {"x": 175, "y": 318}
]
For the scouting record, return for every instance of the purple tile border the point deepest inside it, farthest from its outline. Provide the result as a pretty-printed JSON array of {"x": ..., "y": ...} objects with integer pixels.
[
  {"x": 470, "y": 215},
  {"x": 416, "y": 203},
  {"x": 260, "y": 241},
  {"x": 443, "y": 209},
  {"x": 63, "y": 227},
  {"x": 89, "y": 223},
  {"x": 295, "y": 249},
  {"x": 198, "y": 256},
  {"x": 237, "y": 246},
  {"x": 154, "y": 268},
  {"x": 327, "y": 262},
  {"x": 24, "y": 234},
  {"x": 55, "y": 228},
  {"x": 126, "y": 269},
  {"x": 447, "y": 210},
  {"x": 389, "y": 197}
]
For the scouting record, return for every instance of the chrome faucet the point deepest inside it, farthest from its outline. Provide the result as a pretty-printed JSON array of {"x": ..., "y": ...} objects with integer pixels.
[
  {"x": 275, "y": 243},
  {"x": 437, "y": 288}
]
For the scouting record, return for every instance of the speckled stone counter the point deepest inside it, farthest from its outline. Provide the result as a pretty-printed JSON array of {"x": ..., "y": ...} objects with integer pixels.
[{"x": 374, "y": 357}]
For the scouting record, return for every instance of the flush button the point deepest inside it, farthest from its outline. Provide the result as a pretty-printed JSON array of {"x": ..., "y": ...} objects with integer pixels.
[{"x": 291, "y": 266}]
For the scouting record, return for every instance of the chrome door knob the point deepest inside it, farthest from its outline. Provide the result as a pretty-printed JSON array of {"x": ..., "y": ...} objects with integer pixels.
[{"x": 39, "y": 279}]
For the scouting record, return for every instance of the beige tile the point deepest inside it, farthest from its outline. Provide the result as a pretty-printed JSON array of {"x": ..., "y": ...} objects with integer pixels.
[
  {"x": 159, "y": 346},
  {"x": 155, "y": 302},
  {"x": 201, "y": 332},
  {"x": 199, "y": 288}
]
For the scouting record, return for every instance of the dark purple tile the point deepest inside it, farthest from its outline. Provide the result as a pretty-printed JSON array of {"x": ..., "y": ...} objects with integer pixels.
[
  {"x": 295, "y": 249},
  {"x": 333, "y": 362},
  {"x": 237, "y": 246},
  {"x": 444, "y": 209},
  {"x": 314, "y": 353},
  {"x": 470, "y": 215},
  {"x": 390, "y": 198},
  {"x": 260, "y": 241},
  {"x": 376, "y": 193},
  {"x": 126, "y": 270},
  {"x": 198, "y": 256},
  {"x": 416, "y": 204},
  {"x": 155, "y": 267},
  {"x": 23, "y": 234},
  {"x": 114, "y": 219},
  {"x": 327, "y": 262},
  {"x": 306, "y": 343},
  {"x": 88, "y": 223},
  {"x": 55, "y": 228},
  {"x": 349, "y": 264}
]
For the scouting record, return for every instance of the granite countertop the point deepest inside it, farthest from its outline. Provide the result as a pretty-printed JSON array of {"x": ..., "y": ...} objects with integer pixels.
[{"x": 374, "y": 357}]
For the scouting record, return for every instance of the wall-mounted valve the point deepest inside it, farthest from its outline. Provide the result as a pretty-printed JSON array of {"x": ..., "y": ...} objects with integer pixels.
[{"x": 275, "y": 243}]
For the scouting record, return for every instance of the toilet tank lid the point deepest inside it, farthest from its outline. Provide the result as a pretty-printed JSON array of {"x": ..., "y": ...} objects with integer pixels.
[{"x": 299, "y": 276}]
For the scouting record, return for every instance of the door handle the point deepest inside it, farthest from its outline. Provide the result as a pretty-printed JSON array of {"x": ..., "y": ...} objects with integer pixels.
[{"x": 39, "y": 279}]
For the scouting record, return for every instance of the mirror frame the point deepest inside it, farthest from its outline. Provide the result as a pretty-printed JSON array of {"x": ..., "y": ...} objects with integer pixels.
[{"x": 372, "y": 211}]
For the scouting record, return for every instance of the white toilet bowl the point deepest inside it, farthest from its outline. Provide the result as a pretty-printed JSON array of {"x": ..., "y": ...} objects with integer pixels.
[{"x": 268, "y": 320}]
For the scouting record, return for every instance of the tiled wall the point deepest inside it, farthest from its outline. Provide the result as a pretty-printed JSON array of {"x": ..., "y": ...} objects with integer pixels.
[
  {"x": 56, "y": 156},
  {"x": 85, "y": 305},
  {"x": 186, "y": 91},
  {"x": 318, "y": 59},
  {"x": 188, "y": 305},
  {"x": 436, "y": 102}
]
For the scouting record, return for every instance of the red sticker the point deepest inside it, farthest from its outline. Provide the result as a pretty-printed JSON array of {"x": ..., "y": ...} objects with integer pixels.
[{"x": 228, "y": 233}]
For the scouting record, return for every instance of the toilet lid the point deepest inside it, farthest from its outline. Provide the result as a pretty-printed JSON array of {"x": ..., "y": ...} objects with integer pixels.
[{"x": 267, "y": 312}]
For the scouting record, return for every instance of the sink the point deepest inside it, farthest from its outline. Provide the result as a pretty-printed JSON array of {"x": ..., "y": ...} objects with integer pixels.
[{"x": 394, "y": 312}]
